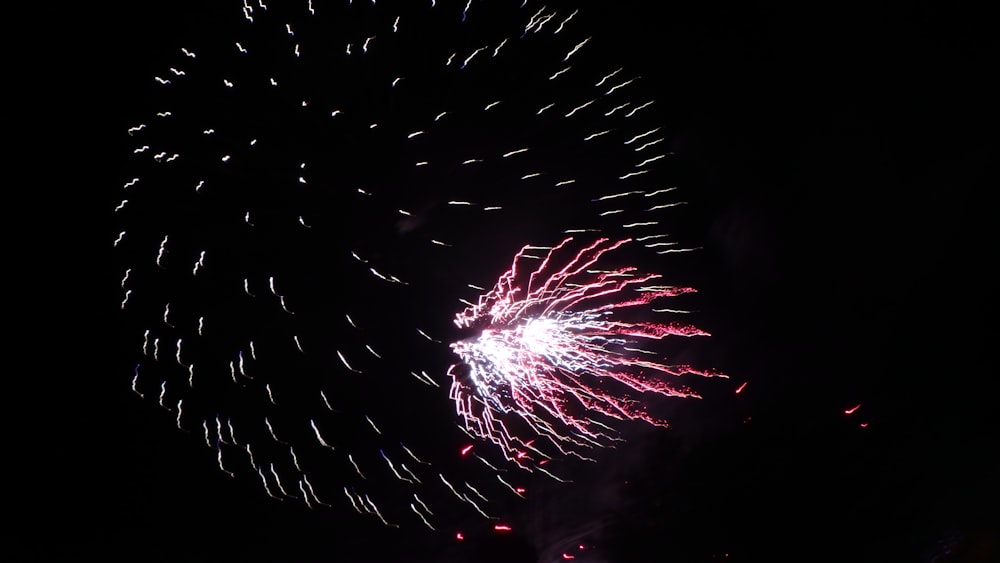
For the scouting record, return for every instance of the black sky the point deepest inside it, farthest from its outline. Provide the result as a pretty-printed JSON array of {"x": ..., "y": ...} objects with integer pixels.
[{"x": 839, "y": 164}]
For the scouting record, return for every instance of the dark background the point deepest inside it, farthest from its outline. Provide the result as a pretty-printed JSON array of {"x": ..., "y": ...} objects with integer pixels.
[{"x": 841, "y": 161}]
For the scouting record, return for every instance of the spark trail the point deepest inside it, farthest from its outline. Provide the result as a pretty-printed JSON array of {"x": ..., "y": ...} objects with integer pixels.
[
  {"x": 311, "y": 189},
  {"x": 555, "y": 352}
]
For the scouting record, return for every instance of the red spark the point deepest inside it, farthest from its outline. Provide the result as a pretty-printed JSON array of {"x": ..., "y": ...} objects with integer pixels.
[
  {"x": 740, "y": 388},
  {"x": 466, "y": 449},
  {"x": 501, "y": 528},
  {"x": 852, "y": 409}
]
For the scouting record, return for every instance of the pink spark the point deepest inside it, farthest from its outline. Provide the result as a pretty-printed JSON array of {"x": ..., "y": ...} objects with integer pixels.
[
  {"x": 852, "y": 409},
  {"x": 466, "y": 449},
  {"x": 459, "y": 536},
  {"x": 741, "y": 387},
  {"x": 558, "y": 345},
  {"x": 501, "y": 528},
  {"x": 568, "y": 556}
]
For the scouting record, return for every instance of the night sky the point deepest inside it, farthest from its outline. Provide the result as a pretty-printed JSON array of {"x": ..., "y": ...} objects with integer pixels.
[{"x": 838, "y": 168}]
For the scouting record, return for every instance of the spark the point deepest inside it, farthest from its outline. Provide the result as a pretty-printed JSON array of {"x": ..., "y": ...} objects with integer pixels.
[
  {"x": 608, "y": 77},
  {"x": 393, "y": 467},
  {"x": 305, "y": 479},
  {"x": 649, "y": 144},
  {"x": 649, "y": 160},
  {"x": 565, "y": 21},
  {"x": 622, "y": 85},
  {"x": 576, "y": 48},
  {"x": 422, "y": 517},
  {"x": 631, "y": 174},
  {"x": 496, "y": 51},
  {"x": 277, "y": 480},
  {"x": 580, "y": 107},
  {"x": 270, "y": 430},
  {"x": 343, "y": 360},
  {"x": 355, "y": 465},
  {"x": 319, "y": 437},
  {"x": 180, "y": 407},
  {"x": 637, "y": 109},
  {"x": 177, "y": 356},
  {"x": 428, "y": 337},
  {"x": 135, "y": 383},
  {"x": 641, "y": 135},
  {"x": 222, "y": 467},
  {"x": 414, "y": 456},
  {"x": 658, "y": 192}
]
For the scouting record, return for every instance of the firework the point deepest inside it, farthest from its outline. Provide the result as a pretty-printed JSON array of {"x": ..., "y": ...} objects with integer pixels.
[
  {"x": 309, "y": 190},
  {"x": 554, "y": 352}
]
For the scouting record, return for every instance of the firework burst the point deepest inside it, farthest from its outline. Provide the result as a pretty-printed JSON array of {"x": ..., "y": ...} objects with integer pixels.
[
  {"x": 554, "y": 352},
  {"x": 307, "y": 192}
]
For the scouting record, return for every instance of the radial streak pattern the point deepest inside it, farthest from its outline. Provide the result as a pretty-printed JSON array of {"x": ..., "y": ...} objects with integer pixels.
[{"x": 310, "y": 190}]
